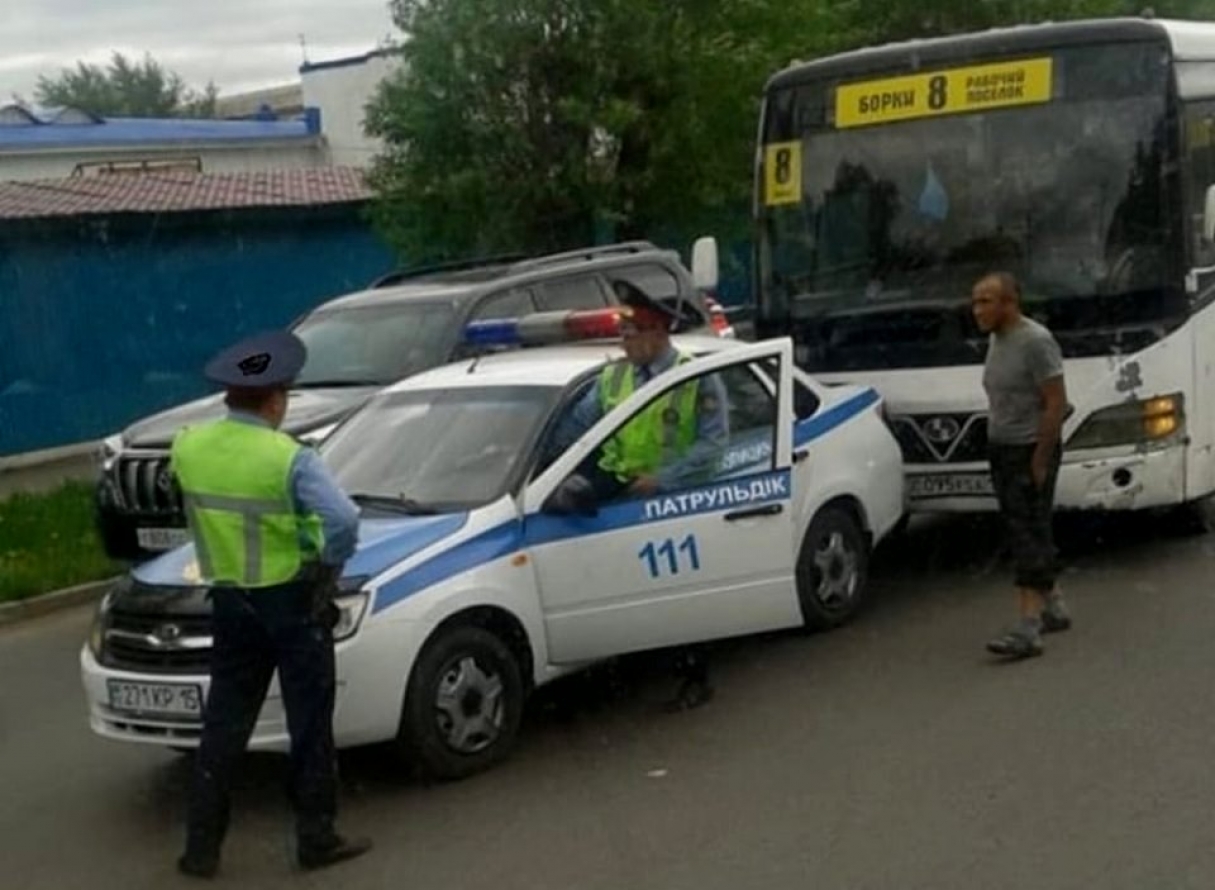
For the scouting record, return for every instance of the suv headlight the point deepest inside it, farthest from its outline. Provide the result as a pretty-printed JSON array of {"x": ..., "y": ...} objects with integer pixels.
[
  {"x": 111, "y": 448},
  {"x": 318, "y": 435},
  {"x": 1132, "y": 423}
]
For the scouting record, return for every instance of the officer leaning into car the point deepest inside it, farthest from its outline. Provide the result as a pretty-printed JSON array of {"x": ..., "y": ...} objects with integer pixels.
[
  {"x": 271, "y": 530},
  {"x": 671, "y": 440},
  {"x": 668, "y": 444}
]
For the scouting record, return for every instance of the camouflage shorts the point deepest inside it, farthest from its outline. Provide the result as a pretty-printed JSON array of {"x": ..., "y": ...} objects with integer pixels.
[{"x": 1027, "y": 511}]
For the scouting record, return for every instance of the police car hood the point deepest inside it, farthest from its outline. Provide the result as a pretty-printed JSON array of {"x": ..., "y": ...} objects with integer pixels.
[
  {"x": 383, "y": 543},
  {"x": 307, "y": 410}
]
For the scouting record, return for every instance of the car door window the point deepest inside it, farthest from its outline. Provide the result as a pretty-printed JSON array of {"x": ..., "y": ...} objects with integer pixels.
[
  {"x": 719, "y": 425},
  {"x": 579, "y": 292},
  {"x": 656, "y": 281},
  {"x": 805, "y": 401},
  {"x": 514, "y": 303}
]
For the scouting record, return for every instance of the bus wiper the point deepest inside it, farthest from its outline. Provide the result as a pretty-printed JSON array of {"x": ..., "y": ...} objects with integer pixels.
[{"x": 399, "y": 504}]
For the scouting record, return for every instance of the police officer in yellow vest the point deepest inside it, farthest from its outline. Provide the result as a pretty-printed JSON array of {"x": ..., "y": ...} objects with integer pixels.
[
  {"x": 271, "y": 531},
  {"x": 671, "y": 443}
]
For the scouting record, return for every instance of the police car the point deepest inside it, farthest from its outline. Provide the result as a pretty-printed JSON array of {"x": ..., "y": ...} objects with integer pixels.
[{"x": 484, "y": 568}]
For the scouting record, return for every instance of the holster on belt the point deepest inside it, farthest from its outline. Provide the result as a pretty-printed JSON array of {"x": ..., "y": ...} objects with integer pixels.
[{"x": 322, "y": 582}]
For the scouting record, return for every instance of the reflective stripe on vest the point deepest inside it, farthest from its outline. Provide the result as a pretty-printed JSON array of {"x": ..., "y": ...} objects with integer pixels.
[
  {"x": 235, "y": 482},
  {"x": 654, "y": 437}
]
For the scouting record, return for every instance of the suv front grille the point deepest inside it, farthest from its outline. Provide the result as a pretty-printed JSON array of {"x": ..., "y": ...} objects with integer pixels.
[
  {"x": 147, "y": 486},
  {"x": 158, "y": 643},
  {"x": 941, "y": 438}
]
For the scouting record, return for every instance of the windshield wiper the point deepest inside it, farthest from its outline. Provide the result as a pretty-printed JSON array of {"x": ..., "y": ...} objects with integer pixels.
[
  {"x": 336, "y": 384},
  {"x": 400, "y": 504}
]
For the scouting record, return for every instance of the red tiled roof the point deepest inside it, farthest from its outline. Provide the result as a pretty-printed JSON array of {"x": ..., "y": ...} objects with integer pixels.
[{"x": 179, "y": 192}]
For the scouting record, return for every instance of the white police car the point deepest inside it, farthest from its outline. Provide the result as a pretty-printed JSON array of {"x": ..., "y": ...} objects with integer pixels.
[{"x": 483, "y": 572}]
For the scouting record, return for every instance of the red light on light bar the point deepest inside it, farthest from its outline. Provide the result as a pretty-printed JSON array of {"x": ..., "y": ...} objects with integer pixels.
[{"x": 593, "y": 324}]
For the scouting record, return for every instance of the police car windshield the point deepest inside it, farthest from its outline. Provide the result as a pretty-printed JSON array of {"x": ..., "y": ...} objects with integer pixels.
[
  {"x": 441, "y": 449},
  {"x": 375, "y": 345}
]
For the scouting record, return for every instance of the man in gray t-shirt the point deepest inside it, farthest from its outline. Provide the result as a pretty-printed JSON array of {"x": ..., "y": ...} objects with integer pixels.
[{"x": 1027, "y": 403}]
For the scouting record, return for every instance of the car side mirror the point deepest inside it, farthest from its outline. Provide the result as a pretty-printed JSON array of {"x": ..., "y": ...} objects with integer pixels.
[
  {"x": 706, "y": 269},
  {"x": 573, "y": 497}
]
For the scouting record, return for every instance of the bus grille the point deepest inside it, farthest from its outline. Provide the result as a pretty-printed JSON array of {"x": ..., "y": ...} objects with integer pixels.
[{"x": 941, "y": 438}]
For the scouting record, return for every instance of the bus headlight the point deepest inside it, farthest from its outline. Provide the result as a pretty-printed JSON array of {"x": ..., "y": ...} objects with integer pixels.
[{"x": 1132, "y": 423}]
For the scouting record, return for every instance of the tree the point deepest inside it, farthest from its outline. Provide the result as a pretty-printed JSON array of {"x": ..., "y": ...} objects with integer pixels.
[
  {"x": 536, "y": 124},
  {"x": 877, "y": 21},
  {"x": 126, "y": 89}
]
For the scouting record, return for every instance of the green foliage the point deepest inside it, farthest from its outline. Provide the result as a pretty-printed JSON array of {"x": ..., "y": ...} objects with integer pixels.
[
  {"x": 542, "y": 124},
  {"x": 126, "y": 89},
  {"x": 49, "y": 542}
]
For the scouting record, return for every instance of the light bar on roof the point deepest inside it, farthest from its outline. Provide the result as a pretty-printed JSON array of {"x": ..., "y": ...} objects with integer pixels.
[{"x": 545, "y": 328}]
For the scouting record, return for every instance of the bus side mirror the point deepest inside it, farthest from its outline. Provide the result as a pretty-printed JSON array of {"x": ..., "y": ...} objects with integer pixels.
[
  {"x": 1208, "y": 216},
  {"x": 705, "y": 268}
]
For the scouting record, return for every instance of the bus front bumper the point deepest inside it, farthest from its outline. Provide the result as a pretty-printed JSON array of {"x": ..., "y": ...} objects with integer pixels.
[{"x": 1125, "y": 482}]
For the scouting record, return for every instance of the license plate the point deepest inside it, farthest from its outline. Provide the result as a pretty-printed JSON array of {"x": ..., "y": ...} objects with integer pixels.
[
  {"x": 162, "y": 538},
  {"x": 167, "y": 699},
  {"x": 944, "y": 485}
]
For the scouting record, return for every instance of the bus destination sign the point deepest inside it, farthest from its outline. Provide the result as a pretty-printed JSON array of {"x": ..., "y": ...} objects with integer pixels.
[{"x": 953, "y": 91}]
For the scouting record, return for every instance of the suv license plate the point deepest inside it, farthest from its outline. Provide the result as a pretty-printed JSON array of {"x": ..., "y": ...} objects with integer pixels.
[
  {"x": 162, "y": 538},
  {"x": 166, "y": 699}
]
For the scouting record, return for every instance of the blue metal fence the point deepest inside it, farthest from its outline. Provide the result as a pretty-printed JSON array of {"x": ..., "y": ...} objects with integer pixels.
[{"x": 104, "y": 322}]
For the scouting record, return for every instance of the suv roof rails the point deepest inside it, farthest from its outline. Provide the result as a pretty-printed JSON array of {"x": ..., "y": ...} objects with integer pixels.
[
  {"x": 400, "y": 275},
  {"x": 585, "y": 253},
  {"x": 514, "y": 263}
]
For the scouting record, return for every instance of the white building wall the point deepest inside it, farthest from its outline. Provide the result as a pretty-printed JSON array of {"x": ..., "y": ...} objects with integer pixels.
[{"x": 341, "y": 90}]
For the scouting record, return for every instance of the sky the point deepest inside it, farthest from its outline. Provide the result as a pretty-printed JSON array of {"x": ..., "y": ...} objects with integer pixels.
[{"x": 238, "y": 44}]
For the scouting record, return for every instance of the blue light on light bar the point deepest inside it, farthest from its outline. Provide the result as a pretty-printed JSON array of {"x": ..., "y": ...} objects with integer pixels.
[
  {"x": 545, "y": 328},
  {"x": 496, "y": 332}
]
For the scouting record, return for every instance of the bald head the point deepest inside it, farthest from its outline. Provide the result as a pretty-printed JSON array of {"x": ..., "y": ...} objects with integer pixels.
[{"x": 995, "y": 301}]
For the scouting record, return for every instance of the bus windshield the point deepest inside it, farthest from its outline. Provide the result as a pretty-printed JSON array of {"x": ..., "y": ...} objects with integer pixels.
[{"x": 873, "y": 267}]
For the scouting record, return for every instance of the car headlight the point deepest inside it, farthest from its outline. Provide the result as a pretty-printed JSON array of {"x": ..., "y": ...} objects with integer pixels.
[
  {"x": 111, "y": 448},
  {"x": 351, "y": 601},
  {"x": 1138, "y": 422},
  {"x": 351, "y": 607},
  {"x": 101, "y": 621}
]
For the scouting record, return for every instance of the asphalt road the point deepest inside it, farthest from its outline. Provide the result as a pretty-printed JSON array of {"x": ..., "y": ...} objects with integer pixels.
[{"x": 890, "y": 754}]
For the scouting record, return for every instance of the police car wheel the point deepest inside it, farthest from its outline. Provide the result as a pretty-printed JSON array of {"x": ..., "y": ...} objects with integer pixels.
[
  {"x": 832, "y": 569},
  {"x": 463, "y": 705}
]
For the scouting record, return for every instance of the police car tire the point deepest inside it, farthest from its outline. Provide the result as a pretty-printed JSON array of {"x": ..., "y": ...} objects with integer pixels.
[
  {"x": 815, "y": 613},
  {"x": 419, "y": 738}
]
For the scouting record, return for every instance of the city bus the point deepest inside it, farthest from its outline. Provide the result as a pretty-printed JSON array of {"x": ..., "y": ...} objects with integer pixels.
[{"x": 1078, "y": 156}]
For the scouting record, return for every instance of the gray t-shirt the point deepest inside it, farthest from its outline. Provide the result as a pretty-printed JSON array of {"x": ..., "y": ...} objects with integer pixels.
[{"x": 1019, "y": 361}]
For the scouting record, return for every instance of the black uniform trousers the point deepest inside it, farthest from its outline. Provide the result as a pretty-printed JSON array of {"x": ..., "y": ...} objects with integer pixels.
[{"x": 255, "y": 632}]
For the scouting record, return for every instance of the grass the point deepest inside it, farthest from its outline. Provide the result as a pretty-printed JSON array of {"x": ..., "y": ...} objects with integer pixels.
[{"x": 48, "y": 542}]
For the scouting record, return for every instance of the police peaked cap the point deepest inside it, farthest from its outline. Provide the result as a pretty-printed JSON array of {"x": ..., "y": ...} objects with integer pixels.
[
  {"x": 644, "y": 305},
  {"x": 267, "y": 360}
]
